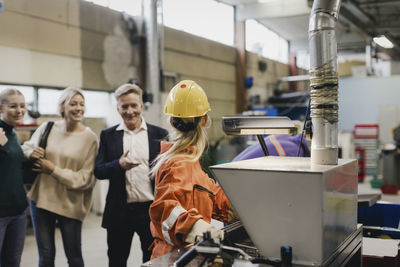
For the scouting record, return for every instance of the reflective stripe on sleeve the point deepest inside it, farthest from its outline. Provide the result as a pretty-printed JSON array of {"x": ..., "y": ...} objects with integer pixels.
[
  {"x": 167, "y": 224},
  {"x": 277, "y": 145}
]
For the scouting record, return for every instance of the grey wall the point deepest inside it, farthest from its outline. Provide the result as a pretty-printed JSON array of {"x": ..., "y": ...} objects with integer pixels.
[
  {"x": 370, "y": 100},
  {"x": 74, "y": 42}
]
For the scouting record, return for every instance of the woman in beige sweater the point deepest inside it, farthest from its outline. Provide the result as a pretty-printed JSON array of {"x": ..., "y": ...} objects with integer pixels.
[{"x": 62, "y": 192}]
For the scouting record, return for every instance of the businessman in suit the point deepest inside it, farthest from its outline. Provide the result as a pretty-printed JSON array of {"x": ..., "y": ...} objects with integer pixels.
[{"x": 125, "y": 155}]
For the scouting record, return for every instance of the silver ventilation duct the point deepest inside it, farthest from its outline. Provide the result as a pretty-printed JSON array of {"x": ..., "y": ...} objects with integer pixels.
[{"x": 324, "y": 81}]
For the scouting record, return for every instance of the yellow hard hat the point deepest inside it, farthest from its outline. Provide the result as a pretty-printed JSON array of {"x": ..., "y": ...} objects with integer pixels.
[{"x": 186, "y": 100}]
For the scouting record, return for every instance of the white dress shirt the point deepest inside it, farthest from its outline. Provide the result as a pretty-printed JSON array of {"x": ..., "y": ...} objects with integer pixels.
[{"x": 138, "y": 185}]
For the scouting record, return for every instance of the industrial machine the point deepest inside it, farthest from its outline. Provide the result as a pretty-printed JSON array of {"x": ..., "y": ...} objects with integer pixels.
[
  {"x": 309, "y": 207},
  {"x": 287, "y": 201}
]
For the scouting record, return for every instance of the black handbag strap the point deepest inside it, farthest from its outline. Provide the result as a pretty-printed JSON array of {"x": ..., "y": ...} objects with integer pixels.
[{"x": 45, "y": 135}]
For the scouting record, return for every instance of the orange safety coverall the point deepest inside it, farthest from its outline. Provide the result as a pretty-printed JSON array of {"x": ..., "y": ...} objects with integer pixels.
[{"x": 184, "y": 194}]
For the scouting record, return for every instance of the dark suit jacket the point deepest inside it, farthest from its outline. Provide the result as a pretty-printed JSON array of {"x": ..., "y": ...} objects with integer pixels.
[{"x": 107, "y": 167}]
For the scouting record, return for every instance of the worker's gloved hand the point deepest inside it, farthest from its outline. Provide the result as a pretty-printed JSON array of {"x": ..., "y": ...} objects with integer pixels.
[{"x": 200, "y": 227}]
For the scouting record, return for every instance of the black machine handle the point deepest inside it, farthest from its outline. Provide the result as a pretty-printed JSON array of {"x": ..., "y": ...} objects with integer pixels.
[{"x": 263, "y": 144}]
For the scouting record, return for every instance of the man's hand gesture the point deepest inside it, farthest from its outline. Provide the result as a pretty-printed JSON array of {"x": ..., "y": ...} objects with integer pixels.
[{"x": 126, "y": 162}]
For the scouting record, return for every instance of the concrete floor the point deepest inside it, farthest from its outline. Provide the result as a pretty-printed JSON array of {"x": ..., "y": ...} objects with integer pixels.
[{"x": 94, "y": 247}]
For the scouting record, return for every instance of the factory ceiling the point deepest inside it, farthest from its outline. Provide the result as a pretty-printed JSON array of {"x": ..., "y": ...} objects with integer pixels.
[{"x": 359, "y": 22}]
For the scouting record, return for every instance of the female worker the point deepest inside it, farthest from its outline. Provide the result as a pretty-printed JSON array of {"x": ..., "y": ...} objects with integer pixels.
[
  {"x": 186, "y": 198},
  {"x": 62, "y": 192},
  {"x": 13, "y": 200}
]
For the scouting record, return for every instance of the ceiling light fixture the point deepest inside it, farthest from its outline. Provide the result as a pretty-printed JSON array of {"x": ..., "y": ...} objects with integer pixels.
[{"x": 383, "y": 41}]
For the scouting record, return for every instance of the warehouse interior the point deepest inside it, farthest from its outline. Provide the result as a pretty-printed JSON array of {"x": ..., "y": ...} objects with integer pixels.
[{"x": 264, "y": 68}]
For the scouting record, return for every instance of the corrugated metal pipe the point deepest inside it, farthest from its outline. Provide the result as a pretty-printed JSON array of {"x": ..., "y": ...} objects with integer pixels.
[{"x": 324, "y": 81}]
